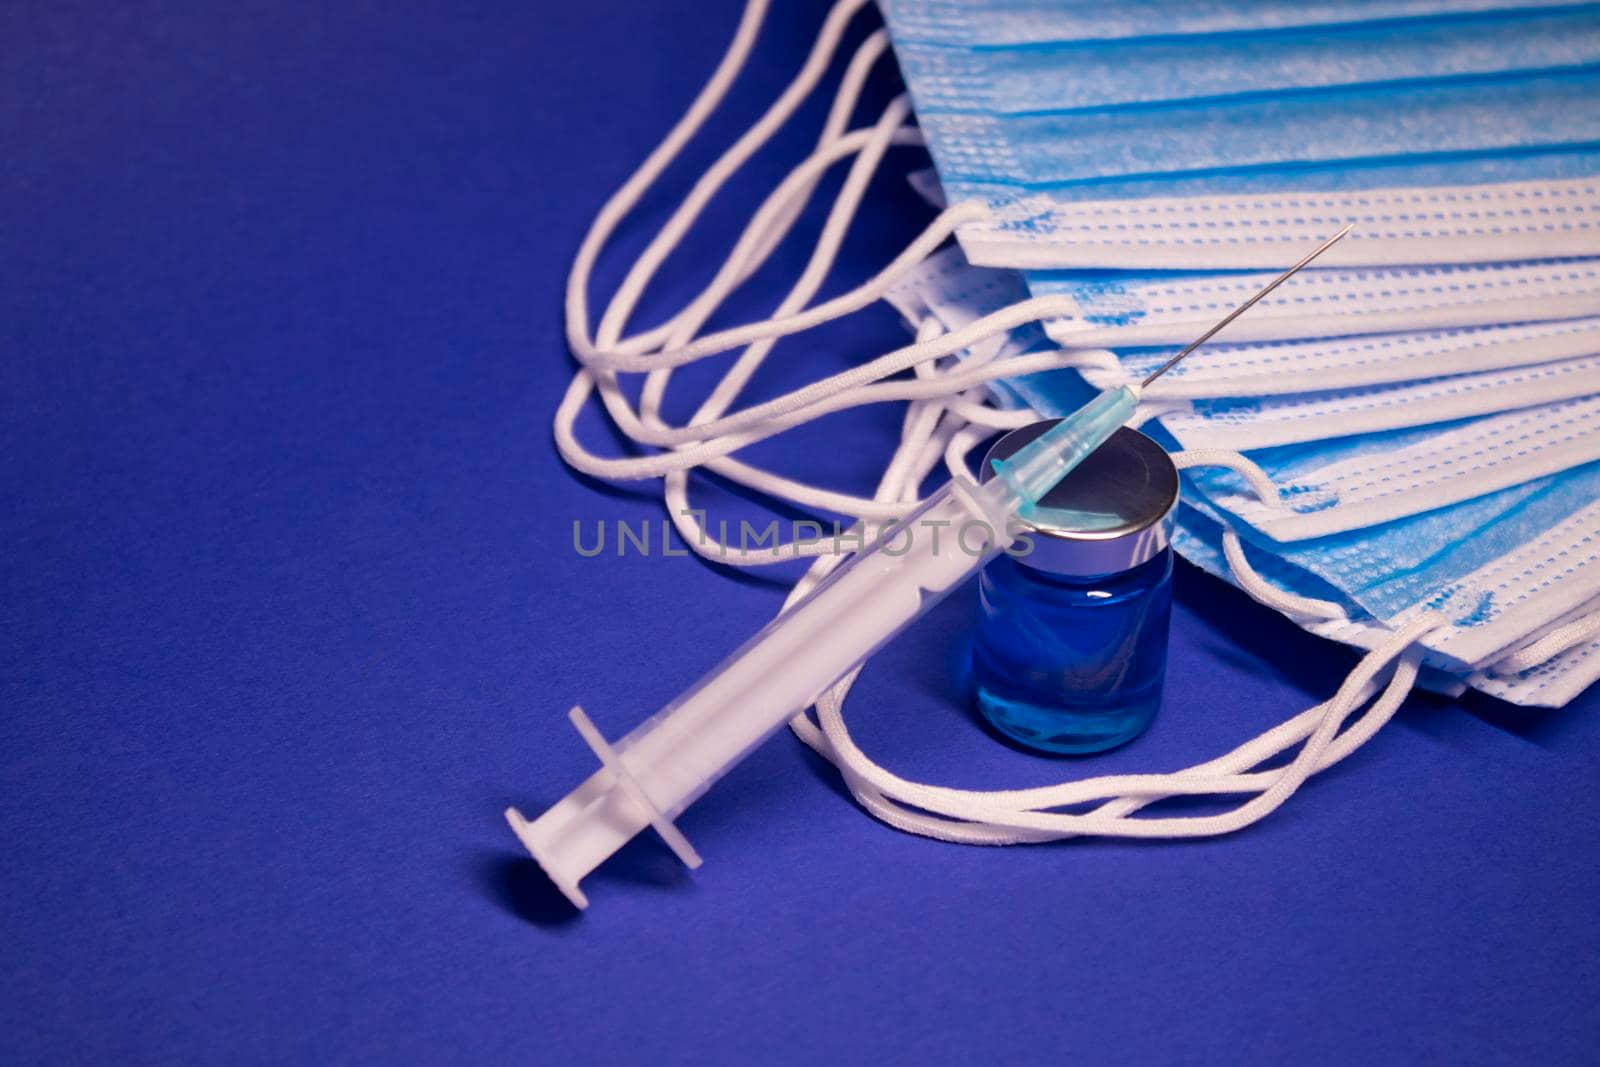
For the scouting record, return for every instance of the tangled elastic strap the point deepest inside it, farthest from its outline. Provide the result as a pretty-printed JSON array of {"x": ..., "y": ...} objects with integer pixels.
[{"x": 948, "y": 414}]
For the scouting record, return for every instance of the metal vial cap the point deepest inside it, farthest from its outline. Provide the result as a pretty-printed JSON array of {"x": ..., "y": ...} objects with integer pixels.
[{"x": 1114, "y": 512}]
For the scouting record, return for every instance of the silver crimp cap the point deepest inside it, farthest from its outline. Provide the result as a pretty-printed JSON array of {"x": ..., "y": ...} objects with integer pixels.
[{"x": 1114, "y": 512}]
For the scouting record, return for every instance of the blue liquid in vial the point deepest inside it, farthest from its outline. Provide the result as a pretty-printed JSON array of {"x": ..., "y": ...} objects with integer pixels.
[{"x": 1072, "y": 664}]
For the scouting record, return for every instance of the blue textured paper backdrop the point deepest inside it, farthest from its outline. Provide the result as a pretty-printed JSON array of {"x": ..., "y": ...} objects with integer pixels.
[{"x": 291, "y": 613}]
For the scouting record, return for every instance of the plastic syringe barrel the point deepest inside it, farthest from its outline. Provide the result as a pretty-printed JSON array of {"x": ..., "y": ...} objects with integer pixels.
[{"x": 674, "y": 756}]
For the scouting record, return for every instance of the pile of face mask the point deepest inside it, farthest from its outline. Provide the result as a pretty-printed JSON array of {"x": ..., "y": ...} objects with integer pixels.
[
  {"x": 1427, "y": 409},
  {"x": 1399, "y": 450}
]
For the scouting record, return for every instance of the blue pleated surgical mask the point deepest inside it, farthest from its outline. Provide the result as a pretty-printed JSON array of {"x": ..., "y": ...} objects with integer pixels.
[
  {"x": 957, "y": 294},
  {"x": 1217, "y": 135},
  {"x": 1364, "y": 454},
  {"x": 1250, "y": 423},
  {"x": 1347, "y": 483},
  {"x": 1116, "y": 310},
  {"x": 1550, "y": 681},
  {"x": 992, "y": 23},
  {"x": 1456, "y": 515},
  {"x": 1058, "y": 77},
  {"x": 1273, "y": 368},
  {"x": 1350, "y": 483}
]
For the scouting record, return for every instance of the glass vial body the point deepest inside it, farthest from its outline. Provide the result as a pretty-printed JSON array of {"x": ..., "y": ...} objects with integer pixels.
[
  {"x": 1070, "y": 653},
  {"x": 1072, "y": 664}
]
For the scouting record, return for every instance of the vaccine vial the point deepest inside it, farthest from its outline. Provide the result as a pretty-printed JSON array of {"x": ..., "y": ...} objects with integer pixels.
[{"x": 1071, "y": 646}]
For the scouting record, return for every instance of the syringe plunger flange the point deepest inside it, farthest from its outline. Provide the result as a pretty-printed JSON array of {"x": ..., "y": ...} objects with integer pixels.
[{"x": 594, "y": 820}]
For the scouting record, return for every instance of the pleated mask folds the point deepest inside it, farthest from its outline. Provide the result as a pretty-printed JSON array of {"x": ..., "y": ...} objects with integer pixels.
[{"x": 1214, "y": 136}]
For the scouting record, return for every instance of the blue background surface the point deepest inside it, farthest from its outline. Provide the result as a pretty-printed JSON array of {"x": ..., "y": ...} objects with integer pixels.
[{"x": 291, "y": 612}]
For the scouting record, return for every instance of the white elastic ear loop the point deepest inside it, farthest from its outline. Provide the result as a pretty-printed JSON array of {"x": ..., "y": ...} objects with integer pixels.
[
  {"x": 791, "y": 194},
  {"x": 955, "y": 454},
  {"x": 796, "y": 189},
  {"x": 777, "y": 213},
  {"x": 844, "y": 103},
  {"x": 646, "y": 427},
  {"x": 843, "y": 212},
  {"x": 787, "y": 199},
  {"x": 623, "y": 200},
  {"x": 1014, "y": 816},
  {"x": 622, "y": 303},
  {"x": 1552, "y": 644},
  {"x": 873, "y": 48},
  {"x": 925, "y": 435},
  {"x": 1233, "y": 548},
  {"x": 965, "y": 405},
  {"x": 1252, "y": 753},
  {"x": 1020, "y": 809},
  {"x": 643, "y": 269},
  {"x": 1264, "y": 591},
  {"x": 874, "y": 288},
  {"x": 1259, "y": 482},
  {"x": 847, "y": 389},
  {"x": 844, "y": 209},
  {"x": 677, "y": 502},
  {"x": 1224, "y": 771},
  {"x": 970, "y": 372},
  {"x": 769, "y": 228},
  {"x": 919, "y": 427}
]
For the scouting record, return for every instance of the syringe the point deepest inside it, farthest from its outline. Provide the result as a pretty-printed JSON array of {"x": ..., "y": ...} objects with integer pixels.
[{"x": 668, "y": 761}]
